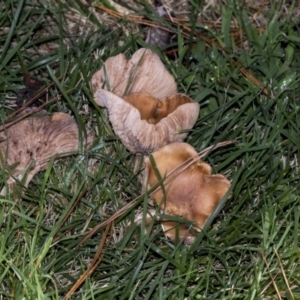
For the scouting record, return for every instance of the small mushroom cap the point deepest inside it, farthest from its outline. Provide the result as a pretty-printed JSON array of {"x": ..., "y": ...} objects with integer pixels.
[
  {"x": 144, "y": 123},
  {"x": 144, "y": 72},
  {"x": 31, "y": 142},
  {"x": 193, "y": 194}
]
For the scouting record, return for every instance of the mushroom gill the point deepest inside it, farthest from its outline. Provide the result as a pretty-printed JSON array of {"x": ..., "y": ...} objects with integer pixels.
[
  {"x": 144, "y": 107},
  {"x": 28, "y": 145},
  {"x": 151, "y": 109},
  {"x": 193, "y": 194},
  {"x": 144, "y": 136}
]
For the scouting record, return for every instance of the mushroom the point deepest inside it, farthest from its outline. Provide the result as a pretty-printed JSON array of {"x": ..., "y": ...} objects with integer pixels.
[
  {"x": 193, "y": 194},
  {"x": 144, "y": 106},
  {"x": 27, "y": 146}
]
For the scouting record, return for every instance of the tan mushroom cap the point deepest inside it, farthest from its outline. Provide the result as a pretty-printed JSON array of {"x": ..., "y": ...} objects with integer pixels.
[
  {"x": 144, "y": 106},
  {"x": 193, "y": 194},
  {"x": 144, "y": 72},
  {"x": 142, "y": 135},
  {"x": 31, "y": 142}
]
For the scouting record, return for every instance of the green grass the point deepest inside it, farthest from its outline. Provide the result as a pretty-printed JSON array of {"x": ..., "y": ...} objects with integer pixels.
[{"x": 250, "y": 250}]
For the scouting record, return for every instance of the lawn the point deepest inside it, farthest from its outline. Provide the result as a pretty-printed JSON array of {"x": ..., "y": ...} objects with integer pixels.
[{"x": 240, "y": 60}]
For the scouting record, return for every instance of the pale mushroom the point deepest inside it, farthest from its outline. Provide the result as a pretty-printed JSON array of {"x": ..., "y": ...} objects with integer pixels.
[
  {"x": 144, "y": 106},
  {"x": 193, "y": 194},
  {"x": 27, "y": 146}
]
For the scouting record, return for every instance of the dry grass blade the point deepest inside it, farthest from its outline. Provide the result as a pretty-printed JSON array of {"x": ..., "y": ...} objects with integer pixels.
[
  {"x": 284, "y": 275},
  {"x": 166, "y": 180},
  {"x": 186, "y": 31},
  {"x": 268, "y": 285},
  {"x": 271, "y": 276},
  {"x": 94, "y": 264},
  {"x": 255, "y": 15},
  {"x": 109, "y": 220},
  {"x": 131, "y": 18},
  {"x": 253, "y": 79}
]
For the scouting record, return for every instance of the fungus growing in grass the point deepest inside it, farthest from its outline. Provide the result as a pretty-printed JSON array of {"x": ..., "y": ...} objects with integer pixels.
[
  {"x": 193, "y": 194},
  {"x": 144, "y": 106},
  {"x": 27, "y": 146}
]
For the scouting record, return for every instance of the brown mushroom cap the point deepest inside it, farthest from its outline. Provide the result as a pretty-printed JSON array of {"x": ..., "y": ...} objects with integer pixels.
[
  {"x": 144, "y": 72},
  {"x": 193, "y": 194},
  {"x": 153, "y": 110},
  {"x": 140, "y": 135},
  {"x": 31, "y": 142}
]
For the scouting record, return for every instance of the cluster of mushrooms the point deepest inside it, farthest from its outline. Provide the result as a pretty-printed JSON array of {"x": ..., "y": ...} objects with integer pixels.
[{"x": 150, "y": 116}]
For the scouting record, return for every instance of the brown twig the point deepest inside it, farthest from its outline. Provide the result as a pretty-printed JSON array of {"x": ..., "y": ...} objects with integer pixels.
[{"x": 93, "y": 265}]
